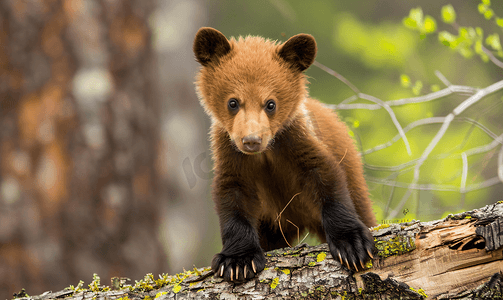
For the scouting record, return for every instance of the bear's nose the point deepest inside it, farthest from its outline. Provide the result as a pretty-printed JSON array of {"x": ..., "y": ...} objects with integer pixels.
[{"x": 252, "y": 143}]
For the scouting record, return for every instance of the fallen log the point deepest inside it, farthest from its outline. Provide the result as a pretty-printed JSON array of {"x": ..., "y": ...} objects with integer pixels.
[{"x": 459, "y": 257}]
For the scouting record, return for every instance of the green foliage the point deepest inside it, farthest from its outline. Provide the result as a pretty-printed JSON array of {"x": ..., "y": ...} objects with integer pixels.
[
  {"x": 469, "y": 40},
  {"x": 484, "y": 9},
  {"x": 418, "y": 86},
  {"x": 416, "y": 89},
  {"x": 493, "y": 41},
  {"x": 405, "y": 80},
  {"x": 415, "y": 20},
  {"x": 448, "y": 14},
  {"x": 435, "y": 88}
]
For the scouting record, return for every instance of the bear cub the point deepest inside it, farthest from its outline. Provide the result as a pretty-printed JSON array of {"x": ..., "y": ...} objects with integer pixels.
[{"x": 276, "y": 150}]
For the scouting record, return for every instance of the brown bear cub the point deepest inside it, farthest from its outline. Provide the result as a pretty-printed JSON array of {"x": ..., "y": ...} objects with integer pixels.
[{"x": 271, "y": 141}]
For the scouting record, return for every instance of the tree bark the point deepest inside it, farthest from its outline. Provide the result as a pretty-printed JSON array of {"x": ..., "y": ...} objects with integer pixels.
[
  {"x": 458, "y": 257},
  {"x": 79, "y": 135}
]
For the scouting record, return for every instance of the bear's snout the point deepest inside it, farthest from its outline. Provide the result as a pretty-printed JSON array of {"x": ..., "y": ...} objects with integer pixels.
[{"x": 251, "y": 143}]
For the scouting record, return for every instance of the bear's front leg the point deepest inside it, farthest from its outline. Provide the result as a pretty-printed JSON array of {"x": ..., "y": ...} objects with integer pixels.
[
  {"x": 349, "y": 240},
  {"x": 241, "y": 257}
]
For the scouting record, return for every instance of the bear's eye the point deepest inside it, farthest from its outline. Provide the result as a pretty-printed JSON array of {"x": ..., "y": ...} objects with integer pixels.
[
  {"x": 270, "y": 106},
  {"x": 233, "y": 105}
]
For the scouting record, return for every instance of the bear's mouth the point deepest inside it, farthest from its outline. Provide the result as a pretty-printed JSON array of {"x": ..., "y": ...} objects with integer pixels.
[{"x": 260, "y": 149}]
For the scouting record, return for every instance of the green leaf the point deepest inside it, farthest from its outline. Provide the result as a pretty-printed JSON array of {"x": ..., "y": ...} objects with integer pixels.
[
  {"x": 482, "y": 8},
  {"x": 499, "y": 22},
  {"x": 493, "y": 40},
  {"x": 435, "y": 88},
  {"x": 446, "y": 38},
  {"x": 418, "y": 86},
  {"x": 448, "y": 14},
  {"x": 479, "y": 32},
  {"x": 416, "y": 14},
  {"x": 486, "y": 2},
  {"x": 488, "y": 14},
  {"x": 466, "y": 52},
  {"x": 463, "y": 33},
  {"x": 478, "y": 47},
  {"x": 480, "y": 52},
  {"x": 410, "y": 23},
  {"x": 405, "y": 80},
  {"x": 430, "y": 25}
]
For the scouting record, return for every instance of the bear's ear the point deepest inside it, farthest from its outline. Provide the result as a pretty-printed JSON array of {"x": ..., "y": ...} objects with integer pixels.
[
  {"x": 209, "y": 45},
  {"x": 299, "y": 51}
]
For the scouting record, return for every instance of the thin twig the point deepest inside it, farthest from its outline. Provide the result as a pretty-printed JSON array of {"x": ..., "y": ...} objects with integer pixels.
[
  {"x": 453, "y": 89},
  {"x": 442, "y": 78},
  {"x": 298, "y": 230},
  {"x": 278, "y": 219},
  {"x": 500, "y": 164},
  {"x": 346, "y": 152},
  {"x": 279, "y": 215},
  {"x": 393, "y": 118},
  {"x": 465, "y": 172},
  {"x": 435, "y": 120},
  {"x": 284, "y": 237},
  {"x": 304, "y": 238},
  {"x": 434, "y": 187},
  {"x": 337, "y": 75},
  {"x": 493, "y": 58}
]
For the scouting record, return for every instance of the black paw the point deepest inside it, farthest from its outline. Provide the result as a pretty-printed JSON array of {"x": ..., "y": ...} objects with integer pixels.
[
  {"x": 238, "y": 268},
  {"x": 352, "y": 245}
]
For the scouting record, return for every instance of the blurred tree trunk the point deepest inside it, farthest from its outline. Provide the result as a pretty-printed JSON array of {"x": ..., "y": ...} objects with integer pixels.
[{"x": 79, "y": 144}]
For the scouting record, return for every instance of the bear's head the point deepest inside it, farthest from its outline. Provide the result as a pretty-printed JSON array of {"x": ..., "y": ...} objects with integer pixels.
[{"x": 252, "y": 87}]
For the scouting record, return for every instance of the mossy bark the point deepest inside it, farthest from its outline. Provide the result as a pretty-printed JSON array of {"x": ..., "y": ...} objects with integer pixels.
[{"x": 443, "y": 259}]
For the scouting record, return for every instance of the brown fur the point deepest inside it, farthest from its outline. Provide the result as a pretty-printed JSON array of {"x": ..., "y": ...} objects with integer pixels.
[{"x": 300, "y": 147}]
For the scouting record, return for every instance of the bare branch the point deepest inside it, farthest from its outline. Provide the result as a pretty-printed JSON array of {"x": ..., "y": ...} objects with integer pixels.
[
  {"x": 393, "y": 118},
  {"x": 442, "y": 78},
  {"x": 493, "y": 58},
  {"x": 453, "y": 89},
  {"x": 474, "y": 94},
  {"x": 458, "y": 110},
  {"x": 337, "y": 75},
  {"x": 434, "y": 187},
  {"x": 487, "y": 147},
  {"x": 465, "y": 172},
  {"x": 500, "y": 164},
  {"x": 435, "y": 120}
]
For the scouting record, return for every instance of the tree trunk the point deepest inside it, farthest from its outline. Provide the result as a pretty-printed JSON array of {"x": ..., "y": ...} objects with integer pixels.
[
  {"x": 78, "y": 143},
  {"x": 458, "y": 257}
]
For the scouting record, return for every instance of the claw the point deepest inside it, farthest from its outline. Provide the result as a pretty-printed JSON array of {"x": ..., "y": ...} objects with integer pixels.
[
  {"x": 253, "y": 267},
  {"x": 222, "y": 271},
  {"x": 232, "y": 274},
  {"x": 245, "y": 271},
  {"x": 361, "y": 263},
  {"x": 347, "y": 264},
  {"x": 354, "y": 264},
  {"x": 340, "y": 258},
  {"x": 237, "y": 272},
  {"x": 370, "y": 254}
]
